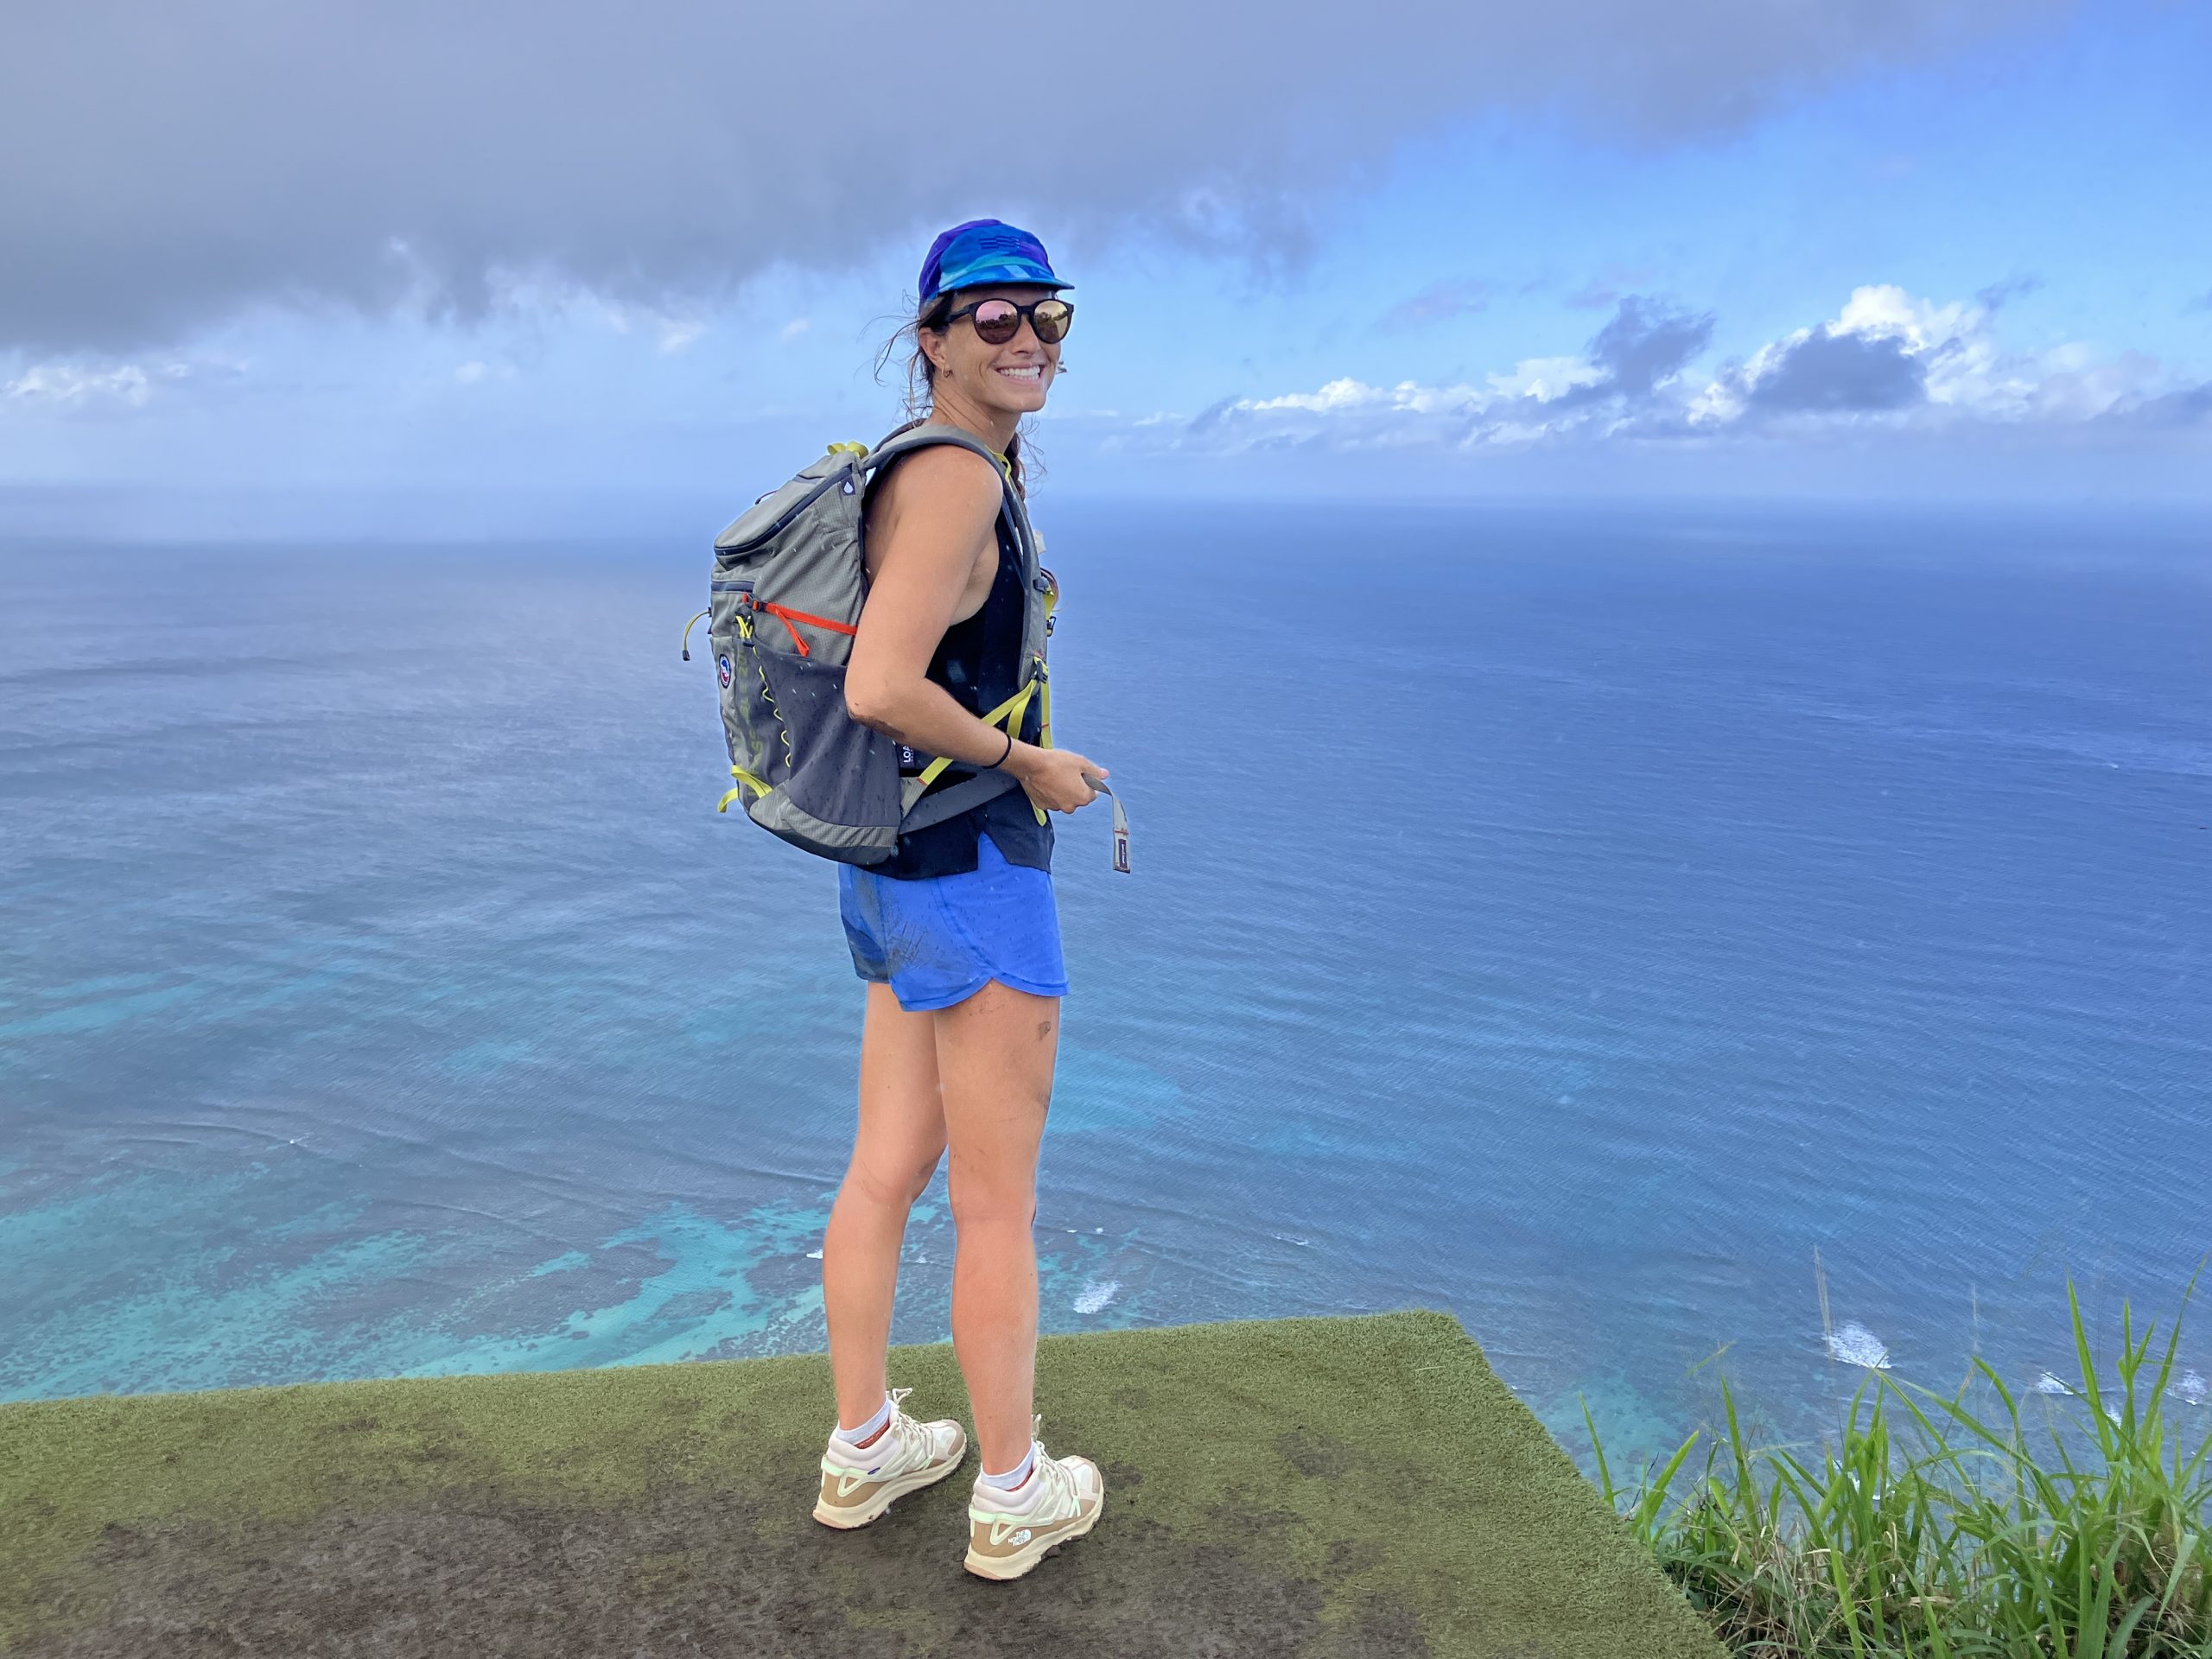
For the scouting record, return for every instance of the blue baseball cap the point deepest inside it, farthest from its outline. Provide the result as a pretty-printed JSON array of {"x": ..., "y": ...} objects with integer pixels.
[{"x": 985, "y": 250}]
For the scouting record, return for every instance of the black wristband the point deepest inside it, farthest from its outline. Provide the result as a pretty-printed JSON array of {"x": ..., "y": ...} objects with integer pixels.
[{"x": 1001, "y": 761}]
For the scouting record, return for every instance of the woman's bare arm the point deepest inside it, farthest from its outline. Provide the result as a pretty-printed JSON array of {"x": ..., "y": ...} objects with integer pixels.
[{"x": 926, "y": 539}]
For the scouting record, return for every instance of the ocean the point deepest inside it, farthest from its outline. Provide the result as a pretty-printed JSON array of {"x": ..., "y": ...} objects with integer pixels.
[{"x": 1621, "y": 929}]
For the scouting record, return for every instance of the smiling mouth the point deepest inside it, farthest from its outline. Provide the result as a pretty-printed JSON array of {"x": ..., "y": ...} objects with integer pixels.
[{"x": 1031, "y": 372}]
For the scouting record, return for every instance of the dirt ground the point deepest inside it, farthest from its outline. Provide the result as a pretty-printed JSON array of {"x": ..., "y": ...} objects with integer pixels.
[
  {"x": 1359, "y": 1488},
  {"x": 691, "y": 1574}
]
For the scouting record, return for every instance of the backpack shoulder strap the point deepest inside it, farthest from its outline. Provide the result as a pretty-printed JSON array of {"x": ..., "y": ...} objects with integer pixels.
[{"x": 930, "y": 432}]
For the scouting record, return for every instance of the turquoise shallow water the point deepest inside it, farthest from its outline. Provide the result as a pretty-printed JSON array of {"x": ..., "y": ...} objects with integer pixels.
[{"x": 1571, "y": 921}]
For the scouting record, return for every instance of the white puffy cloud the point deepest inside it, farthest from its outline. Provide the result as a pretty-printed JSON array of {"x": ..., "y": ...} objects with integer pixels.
[
  {"x": 1887, "y": 358},
  {"x": 1885, "y": 353}
]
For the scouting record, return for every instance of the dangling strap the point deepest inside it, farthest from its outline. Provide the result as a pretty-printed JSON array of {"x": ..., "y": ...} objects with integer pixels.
[
  {"x": 742, "y": 777},
  {"x": 1121, "y": 822}
]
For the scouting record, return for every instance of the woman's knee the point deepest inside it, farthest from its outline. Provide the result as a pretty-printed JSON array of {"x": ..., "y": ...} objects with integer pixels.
[
  {"x": 984, "y": 1203},
  {"x": 895, "y": 1188}
]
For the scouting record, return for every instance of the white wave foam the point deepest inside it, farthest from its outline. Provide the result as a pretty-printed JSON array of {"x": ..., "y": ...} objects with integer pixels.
[
  {"x": 1095, "y": 1294},
  {"x": 1855, "y": 1344},
  {"x": 2192, "y": 1387}
]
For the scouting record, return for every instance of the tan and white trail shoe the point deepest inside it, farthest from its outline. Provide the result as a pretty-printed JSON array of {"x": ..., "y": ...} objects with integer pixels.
[
  {"x": 1004, "y": 1542},
  {"x": 859, "y": 1485}
]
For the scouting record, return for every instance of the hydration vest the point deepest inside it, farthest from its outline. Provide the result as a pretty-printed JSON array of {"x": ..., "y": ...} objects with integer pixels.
[{"x": 785, "y": 603}]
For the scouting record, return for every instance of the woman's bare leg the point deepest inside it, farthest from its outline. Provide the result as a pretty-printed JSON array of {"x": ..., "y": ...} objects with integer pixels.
[
  {"x": 995, "y": 1058},
  {"x": 895, "y": 1152}
]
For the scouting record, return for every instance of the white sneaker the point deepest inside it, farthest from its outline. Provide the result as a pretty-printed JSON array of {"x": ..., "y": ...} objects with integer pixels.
[
  {"x": 1004, "y": 1542},
  {"x": 859, "y": 1485}
]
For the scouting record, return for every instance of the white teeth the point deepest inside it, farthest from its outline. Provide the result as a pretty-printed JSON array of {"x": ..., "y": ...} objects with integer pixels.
[{"x": 1030, "y": 373}]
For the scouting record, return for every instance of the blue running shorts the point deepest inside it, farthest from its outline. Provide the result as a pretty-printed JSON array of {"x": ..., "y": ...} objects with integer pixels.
[{"x": 938, "y": 940}]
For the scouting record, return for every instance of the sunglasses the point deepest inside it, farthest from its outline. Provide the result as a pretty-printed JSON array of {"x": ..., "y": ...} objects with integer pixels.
[{"x": 999, "y": 321}]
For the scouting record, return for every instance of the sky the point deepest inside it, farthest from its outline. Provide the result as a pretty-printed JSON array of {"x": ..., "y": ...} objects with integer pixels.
[{"x": 395, "y": 264}]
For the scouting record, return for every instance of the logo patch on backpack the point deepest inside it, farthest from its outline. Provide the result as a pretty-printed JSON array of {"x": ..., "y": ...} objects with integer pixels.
[{"x": 723, "y": 668}]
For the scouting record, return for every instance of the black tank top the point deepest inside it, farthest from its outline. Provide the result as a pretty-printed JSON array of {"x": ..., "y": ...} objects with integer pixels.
[{"x": 979, "y": 662}]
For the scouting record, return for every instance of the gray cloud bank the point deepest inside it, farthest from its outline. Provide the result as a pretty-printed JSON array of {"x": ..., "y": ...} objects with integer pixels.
[
  {"x": 1829, "y": 372},
  {"x": 163, "y": 166}
]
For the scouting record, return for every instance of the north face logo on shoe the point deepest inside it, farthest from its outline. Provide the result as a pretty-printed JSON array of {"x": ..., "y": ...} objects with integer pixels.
[{"x": 1022, "y": 1537}]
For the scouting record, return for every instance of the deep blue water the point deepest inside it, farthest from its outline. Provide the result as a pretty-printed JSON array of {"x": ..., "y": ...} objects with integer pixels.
[{"x": 1572, "y": 922}]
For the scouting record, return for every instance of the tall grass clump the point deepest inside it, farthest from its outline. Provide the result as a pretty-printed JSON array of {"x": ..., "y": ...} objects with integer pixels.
[{"x": 1945, "y": 1527}]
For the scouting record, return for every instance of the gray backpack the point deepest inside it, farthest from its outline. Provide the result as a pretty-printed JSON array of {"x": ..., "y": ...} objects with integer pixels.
[{"x": 788, "y": 583}]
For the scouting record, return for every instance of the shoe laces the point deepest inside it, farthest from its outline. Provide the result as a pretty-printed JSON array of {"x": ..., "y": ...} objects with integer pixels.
[
  {"x": 915, "y": 1440},
  {"x": 1060, "y": 1495},
  {"x": 893, "y": 1449},
  {"x": 1062, "y": 1498}
]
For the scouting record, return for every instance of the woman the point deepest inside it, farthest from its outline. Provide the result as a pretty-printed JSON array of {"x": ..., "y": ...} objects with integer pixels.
[{"x": 957, "y": 934}]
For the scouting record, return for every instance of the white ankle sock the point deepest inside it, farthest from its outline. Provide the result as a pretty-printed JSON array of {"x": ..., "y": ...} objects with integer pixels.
[
  {"x": 855, "y": 1436},
  {"x": 1008, "y": 1487}
]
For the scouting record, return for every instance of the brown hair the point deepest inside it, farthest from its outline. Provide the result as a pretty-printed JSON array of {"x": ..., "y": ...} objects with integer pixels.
[{"x": 921, "y": 383}]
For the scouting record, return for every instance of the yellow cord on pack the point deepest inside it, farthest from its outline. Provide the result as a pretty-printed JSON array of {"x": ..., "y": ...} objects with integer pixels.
[
  {"x": 742, "y": 777},
  {"x": 1010, "y": 712}
]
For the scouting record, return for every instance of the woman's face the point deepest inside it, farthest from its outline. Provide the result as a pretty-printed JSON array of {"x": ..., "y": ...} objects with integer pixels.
[{"x": 1013, "y": 377}]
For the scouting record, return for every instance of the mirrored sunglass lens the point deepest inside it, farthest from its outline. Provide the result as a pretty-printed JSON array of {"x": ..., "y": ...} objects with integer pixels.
[
  {"x": 1052, "y": 318},
  {"x": 996, "y": 321}
]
